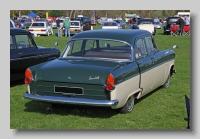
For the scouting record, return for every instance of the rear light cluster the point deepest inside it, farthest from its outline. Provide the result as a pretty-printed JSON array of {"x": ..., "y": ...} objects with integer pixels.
[
  {"x": 110, "y": 83},
  {"x": 30, "y": 30},
  {"x": 28, "y": 76},
  {"x": 43, "y": 30}
]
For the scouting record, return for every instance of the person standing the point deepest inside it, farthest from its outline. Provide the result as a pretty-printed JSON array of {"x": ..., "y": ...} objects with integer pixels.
[
  {"x": 181, "y": 22},
  {"x": 187, "y": 21},
  {"x": 59, "y": 27},
  {"x": 126, "y": 20},
  {"x": 131, "y": 22},
  {"x": 66, "y": 25}
]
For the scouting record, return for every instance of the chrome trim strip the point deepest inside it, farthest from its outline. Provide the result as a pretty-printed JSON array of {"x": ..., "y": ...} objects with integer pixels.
[{"x": 67, "y": 100}]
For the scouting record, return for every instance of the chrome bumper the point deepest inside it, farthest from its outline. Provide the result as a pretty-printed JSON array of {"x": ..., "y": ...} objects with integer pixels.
[{"x": 67, "y": 100}]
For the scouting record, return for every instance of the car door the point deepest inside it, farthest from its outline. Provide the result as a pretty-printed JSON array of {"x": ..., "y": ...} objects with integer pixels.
[
  {"x": 14, "y": 61},
  {"x": 158, "y": 58},
  {"x": 144, "y": 62},
  {"x": 27, "y": 52}
]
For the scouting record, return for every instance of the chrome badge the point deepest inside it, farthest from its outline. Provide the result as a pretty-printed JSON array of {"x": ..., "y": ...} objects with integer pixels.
[{"x": 94, "y": 78}]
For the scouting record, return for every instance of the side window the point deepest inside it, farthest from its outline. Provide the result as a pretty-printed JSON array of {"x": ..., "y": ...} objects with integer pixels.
[
  {"x": 140, "y": 50},
  {"x": 76, "y": 48},
  {"x": 149, "y": 44},
  {"x": 90, "y": 44},
  {"x": 23, "y": 41},
  {"x": 11, "y": 43}
]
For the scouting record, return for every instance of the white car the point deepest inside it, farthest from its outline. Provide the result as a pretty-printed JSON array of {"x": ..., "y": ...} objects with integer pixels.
[
  {"x": 158, "y": 25},
  {"x": 12, "y": 24},
  {"x": 53, "y": 24},
  {"x": 147, "y": 24},
  {"x": 75, "y": 27},
  {"x": 41, "y": 28}
]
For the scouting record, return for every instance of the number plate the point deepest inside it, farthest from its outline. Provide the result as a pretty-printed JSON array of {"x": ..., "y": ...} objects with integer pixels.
[
  {"x": 68, "y": 90},
  {"x": 72, "y": 30}
]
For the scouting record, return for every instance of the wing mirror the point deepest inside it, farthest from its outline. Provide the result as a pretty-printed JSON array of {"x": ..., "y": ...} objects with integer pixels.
[
  {"x": 175, "y": 46},
  {"x": 56, "y": 44}
]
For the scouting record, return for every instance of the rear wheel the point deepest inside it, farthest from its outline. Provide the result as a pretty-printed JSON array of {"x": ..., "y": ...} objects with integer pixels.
[{"x": 128, "y": 107}]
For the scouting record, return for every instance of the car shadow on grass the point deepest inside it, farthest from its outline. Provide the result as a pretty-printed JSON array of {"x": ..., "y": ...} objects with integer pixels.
[
  {"x": 64, "y": 110},
  {"x": 17, "y": 82},
  {"x": 76, "y": 110}
]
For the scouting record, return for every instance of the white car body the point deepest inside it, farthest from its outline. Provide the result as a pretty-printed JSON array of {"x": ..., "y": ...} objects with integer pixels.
[
  {"x": 12, "y": 24},
  {"x": 41, "y": 28},
  {"x": 148, "y": 27},
  {"x": 53, "y": 24},
  {"x": 75, "y": 27}
]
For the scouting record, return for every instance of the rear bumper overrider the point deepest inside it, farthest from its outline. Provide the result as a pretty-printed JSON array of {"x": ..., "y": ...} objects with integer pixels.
[{"x": 71, "y": 100}]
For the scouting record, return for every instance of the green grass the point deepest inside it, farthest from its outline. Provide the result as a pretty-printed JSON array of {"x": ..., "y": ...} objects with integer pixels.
[{"x": 161, "y": 109}]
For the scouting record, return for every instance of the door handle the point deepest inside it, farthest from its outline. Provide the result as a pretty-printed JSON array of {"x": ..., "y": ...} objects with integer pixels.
[{"x": 20, "y": 53}]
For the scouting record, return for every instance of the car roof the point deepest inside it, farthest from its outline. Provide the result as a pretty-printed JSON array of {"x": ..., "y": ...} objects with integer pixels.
[
  {"x": 127, "y": 35},
  {"x": 18, "y": 30}
]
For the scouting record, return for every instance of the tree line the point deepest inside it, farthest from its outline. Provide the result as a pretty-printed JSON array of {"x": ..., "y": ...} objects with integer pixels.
[{"x": 99, "y": 13}]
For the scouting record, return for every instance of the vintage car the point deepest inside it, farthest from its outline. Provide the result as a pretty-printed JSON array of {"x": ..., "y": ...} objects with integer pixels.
[
  {"x": 108, "y": 68},
  {"x": 147, "y": 24},
  {"x": 25, "y": 53},
  {"x": 167, "y": 25}
]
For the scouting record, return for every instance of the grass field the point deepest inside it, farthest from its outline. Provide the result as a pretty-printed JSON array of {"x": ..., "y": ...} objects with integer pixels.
[{"x": 162, "y": 109}]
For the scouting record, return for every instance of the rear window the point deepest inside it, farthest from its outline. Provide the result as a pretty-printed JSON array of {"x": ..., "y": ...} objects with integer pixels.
[
  {"x": 173, "y": 20},
  {"x": 74, "y": 23},
  {"x": 38, "y": 24}
]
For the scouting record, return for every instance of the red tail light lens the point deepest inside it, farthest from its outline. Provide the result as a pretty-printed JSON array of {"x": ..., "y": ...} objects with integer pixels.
[
  {"x": 110, "y": 83},
  {"x": 28, "y": 76}
]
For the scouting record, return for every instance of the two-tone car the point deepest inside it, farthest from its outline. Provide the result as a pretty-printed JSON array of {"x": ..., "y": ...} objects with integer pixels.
[
  {"x": 147, "y": 24},
  {"x": 25, "y": 53},
  {"x": 109, "y": 68}
]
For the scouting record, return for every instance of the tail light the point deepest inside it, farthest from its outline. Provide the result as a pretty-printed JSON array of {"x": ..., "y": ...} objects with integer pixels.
[
  {"x": 28, "y": 76},
  {"x": 110, "y": 83},
  {"x": 43, "y": 30},
  {"x": 30, "y": 30}
]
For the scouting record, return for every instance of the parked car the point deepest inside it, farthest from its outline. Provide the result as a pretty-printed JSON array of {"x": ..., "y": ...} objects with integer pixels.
[
  {"x": 75, "y": 27},
  {"x": 27, "y": 23},
  {"x": 110, "y": 25},
  {"x": 157, "y": 25},
  {"x": 12, "y": 24},
  {"x": 168, "y": 23},
  {"x": 146, "y": 24},
  {"x": 108, "y": 68},
  {"x": 22, "y": 22},
  {"x": 41, "y": 28},
  {"x": 121, "y": 23},
  {"x": 24, "y": 53},
  {"x": 53, "y": 24}
]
